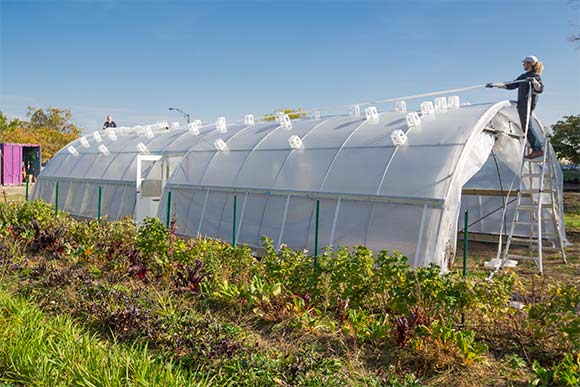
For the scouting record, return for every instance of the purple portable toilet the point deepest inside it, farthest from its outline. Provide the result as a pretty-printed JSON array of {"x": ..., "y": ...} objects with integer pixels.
[{"x": 12, "y": 158}]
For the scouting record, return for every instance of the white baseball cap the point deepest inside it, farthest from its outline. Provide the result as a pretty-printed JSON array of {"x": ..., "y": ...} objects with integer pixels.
[{"x": 531, "y": 59}]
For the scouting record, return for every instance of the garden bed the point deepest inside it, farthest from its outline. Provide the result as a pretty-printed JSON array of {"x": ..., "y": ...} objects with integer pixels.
[{"x": 212, "y": 314}]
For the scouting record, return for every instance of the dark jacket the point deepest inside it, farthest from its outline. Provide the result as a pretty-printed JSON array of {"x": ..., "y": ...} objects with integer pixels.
[
  {"x": 108, "y": 124},
  {"x": 524, "y": 87}
]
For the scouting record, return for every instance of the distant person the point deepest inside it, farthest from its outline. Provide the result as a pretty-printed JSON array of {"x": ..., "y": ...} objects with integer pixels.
[
  {"x": 109, "y": 123},
  {"x": 533, "y": 68}
]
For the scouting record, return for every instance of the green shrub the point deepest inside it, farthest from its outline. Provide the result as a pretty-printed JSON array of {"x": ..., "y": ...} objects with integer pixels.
[{"x": 564, "y": 373}]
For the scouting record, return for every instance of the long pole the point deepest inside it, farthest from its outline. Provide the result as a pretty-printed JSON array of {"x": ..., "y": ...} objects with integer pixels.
[
  {"x": 234, "y": 222},
  {"x": 26, "y": 190},
  {"x": 56, "y": 200},
  {"x": 168, "y": 211},
  {"x": 316, "y": 226}
]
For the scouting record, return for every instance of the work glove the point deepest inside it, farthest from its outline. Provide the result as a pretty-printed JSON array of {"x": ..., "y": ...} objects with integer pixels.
[
  {"x": 499, "y": 85},
  {"x": 535, "y": 83}
]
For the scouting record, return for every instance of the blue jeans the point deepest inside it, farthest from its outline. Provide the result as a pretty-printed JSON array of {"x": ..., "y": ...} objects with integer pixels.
[{"x": 533, "y": 138}]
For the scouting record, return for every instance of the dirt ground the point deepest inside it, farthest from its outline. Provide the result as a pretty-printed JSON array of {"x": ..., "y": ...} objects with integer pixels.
[{"x": 14, "y": 193}]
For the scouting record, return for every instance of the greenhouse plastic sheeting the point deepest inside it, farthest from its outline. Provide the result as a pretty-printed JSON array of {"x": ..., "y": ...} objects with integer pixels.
[{"x": 371, "y": 192}]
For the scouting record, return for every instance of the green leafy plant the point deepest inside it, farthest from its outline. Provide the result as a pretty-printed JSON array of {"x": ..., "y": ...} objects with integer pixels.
[{"x": 564, "y": 373}]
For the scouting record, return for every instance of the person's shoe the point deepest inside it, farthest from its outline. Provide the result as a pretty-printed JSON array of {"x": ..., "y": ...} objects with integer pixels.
[{"x": 535, "y": 154}]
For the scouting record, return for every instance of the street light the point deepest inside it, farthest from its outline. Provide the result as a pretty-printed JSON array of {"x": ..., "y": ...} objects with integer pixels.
[{"x": 184, "y": 114}]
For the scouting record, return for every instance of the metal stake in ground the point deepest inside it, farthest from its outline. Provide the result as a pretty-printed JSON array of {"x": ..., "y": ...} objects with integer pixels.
[
  {"x": 465, "y": 243},
  {"x": 465, "y": 248},
  {"x": 99, "y": 204},
  {"x": 316, "y": 234},
  {"x": 56, "y": 200},
  {"x": 168, "y": 212},
  {"x": 234, "y": 221}
]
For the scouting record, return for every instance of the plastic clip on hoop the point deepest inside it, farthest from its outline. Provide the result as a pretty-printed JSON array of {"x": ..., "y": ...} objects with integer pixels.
[
  {"x": 317, "y": 115},
  {"x": 142, "y": 148},
  {"x": 193, "y": 128},
  {"x": 84, "y": 142},
  {"x": 73, "y": 151},
  {"x": 413, "y": 119},
  {"x": 372, "y": 115},
  {"x": 249, "y": 119},
  {"x": 295, "y": 142},
  {"x": 398, "y": 137},
  {"x": 221, "y": 125},
  {"x": 427, "y": 108},
  {"x": 440, "y": 105},
  {"x": 104, "y": 150},
  {"x": 149, "y": 132},
  {"x": 220, "y": 145},
  {"x": 401, "y": 106},
  {"x": 453, "y": 102},
  {"x": 111, "y": 134},
  {"x": 355, "y": 111},
  {"x": 97, "y": 136},
  {"x": 286, "y": 122}
]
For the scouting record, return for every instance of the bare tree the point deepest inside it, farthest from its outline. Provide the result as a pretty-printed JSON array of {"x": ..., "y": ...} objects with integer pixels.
[{"x": 575, "y": 36}]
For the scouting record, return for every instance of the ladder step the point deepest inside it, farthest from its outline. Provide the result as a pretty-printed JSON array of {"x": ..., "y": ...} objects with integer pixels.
[
  {"x": 536, "y": 191},
  {"x": 533, "y": 208},
  {"x": 537, "y": 175},
  {"x": 549, "y": 234},
  {"x": 522, "y": 257},
  {"x": 538, "y": 160},
  {"x": 545, "y": 222},
  {"x": 495, "y": 263},
  {"x": 524, "y": 240}
]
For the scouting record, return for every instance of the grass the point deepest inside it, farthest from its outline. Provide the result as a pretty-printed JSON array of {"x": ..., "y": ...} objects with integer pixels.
[
  {"x": 572, "y": 211},
  {"x": 572, "y": 222},
  {"x": 41, "y": 350}
]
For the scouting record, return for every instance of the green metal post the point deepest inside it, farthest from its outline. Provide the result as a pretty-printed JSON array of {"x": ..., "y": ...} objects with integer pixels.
[
  {"x": 56, "y": 200},
  {"x": 99, "y": 203},
  {"x": 465, "y": 249},
  {"x": 316, "y": 233},
  {"x": 26, "y": 189},
  {"x": 234, "y": 223},
  {"x": 465, "y": 243},
  {"x": 168, "y": 215}
]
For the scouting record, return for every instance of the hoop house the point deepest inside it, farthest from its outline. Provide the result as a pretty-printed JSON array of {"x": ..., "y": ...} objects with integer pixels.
[{"x": 390, "y": 180}]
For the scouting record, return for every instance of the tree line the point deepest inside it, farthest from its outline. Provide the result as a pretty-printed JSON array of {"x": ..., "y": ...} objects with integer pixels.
[{"x": 52, "y": 128}]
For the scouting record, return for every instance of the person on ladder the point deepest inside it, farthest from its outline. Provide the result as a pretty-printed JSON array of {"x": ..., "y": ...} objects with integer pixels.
[{"x": 533, "y": 68}]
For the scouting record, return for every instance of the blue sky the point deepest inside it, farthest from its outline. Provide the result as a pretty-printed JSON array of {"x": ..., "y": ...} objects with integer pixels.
[{"x": 134, "y": 59}]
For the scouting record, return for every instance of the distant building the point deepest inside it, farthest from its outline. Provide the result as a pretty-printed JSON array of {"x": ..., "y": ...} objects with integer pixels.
[{"x": 18, "y": 161}]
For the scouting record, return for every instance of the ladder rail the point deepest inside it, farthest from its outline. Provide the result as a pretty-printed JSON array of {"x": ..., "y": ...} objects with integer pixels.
[
  {"x": 555, "y": 210},
  {"x": 540, "y": 207}
]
